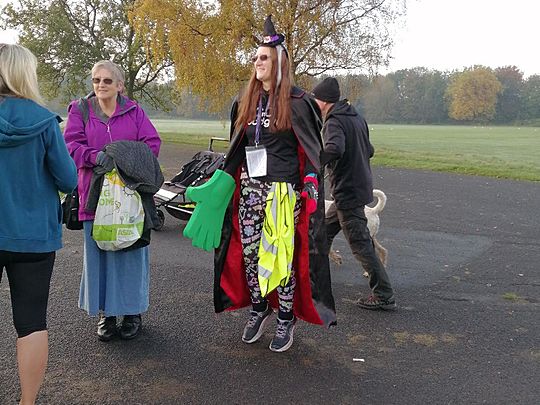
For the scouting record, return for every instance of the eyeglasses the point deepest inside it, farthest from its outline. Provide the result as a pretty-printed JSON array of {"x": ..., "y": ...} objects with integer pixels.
[
  {"x": 261, "y": 57},
  {"x": 97, "y": 80}
]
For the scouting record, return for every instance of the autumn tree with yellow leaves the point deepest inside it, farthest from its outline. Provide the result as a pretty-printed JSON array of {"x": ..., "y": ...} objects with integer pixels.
[
  {"x": 211, "y": 42},
  {"x": 472, "y": 95}
]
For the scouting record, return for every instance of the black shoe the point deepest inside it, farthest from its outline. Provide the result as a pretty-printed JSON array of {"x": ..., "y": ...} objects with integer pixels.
[
  {"x": 373, "y": 302},
  {"x": 106, "y": 328},
  {"x": 131, "y": 326}
]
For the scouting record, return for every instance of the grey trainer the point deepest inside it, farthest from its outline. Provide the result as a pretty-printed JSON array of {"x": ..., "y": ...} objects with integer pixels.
[
  {"x": 283, "y": 339},
  {"x": 255, "y": 325}
]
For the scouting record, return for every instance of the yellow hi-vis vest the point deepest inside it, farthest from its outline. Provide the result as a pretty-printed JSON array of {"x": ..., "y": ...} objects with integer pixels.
[{"x": 277, "y": 240}]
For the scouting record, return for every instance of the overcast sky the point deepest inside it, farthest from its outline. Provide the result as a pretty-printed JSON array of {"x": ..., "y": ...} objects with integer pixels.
[{"x": 452, "y": 34}]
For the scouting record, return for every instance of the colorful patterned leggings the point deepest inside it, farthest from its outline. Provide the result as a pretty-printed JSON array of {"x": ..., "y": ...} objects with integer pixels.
[{"x": 253, "y": 195}]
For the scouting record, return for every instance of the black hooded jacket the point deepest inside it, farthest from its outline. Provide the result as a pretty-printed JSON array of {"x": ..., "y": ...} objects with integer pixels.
[{"x": 347, "y": 153}]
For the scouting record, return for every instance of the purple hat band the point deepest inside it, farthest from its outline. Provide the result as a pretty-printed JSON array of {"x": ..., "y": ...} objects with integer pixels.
[{"x": 272, "y": 38}]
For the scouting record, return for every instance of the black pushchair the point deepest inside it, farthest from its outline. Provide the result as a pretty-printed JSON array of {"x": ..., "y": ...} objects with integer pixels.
[{"x": 194, "y": 173}]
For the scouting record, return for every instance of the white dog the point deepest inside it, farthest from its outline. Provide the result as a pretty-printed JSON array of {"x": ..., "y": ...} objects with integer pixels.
[{"x": 373, "y": 223}]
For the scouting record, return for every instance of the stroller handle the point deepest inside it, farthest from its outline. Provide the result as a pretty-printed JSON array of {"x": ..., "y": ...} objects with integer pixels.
[{"x": 217, "y": 139}]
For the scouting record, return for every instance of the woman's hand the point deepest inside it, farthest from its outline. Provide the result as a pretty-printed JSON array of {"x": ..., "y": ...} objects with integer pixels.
[{"x": 104, "y": 163}]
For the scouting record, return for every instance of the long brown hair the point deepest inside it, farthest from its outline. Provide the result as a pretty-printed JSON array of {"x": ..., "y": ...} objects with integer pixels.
[{"x": 280, "y": 103}]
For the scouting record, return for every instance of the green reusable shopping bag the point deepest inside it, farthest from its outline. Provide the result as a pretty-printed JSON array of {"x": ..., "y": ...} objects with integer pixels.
[{"x": 119, "y": 219}]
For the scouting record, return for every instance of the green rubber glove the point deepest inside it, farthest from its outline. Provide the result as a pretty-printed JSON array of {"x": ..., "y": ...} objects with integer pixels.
[{"x": 212, "y": 199}]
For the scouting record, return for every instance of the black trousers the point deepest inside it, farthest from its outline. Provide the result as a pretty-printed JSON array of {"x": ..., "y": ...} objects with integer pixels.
[
  {"x": 29, "y": 276},
  {"x": 353, "y": 222}
]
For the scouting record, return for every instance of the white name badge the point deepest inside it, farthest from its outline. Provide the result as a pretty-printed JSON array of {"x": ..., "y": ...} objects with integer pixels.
[{"x": 256, "y": 160}]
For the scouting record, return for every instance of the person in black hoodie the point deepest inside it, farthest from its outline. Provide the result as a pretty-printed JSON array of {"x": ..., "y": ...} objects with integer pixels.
[{"x": 347, "y": 151}]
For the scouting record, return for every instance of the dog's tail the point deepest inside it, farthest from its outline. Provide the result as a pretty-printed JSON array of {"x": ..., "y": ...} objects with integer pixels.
[{"x": 381, "y": 200}]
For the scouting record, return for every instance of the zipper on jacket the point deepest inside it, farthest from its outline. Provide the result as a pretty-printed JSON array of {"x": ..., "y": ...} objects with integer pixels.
[
  {"x": 109, "y": 131},
  {"x": 115, "y": 115}
]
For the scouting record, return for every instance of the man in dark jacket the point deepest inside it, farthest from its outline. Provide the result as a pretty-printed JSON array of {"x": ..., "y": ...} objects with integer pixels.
[{"x": 347, "y": 151}]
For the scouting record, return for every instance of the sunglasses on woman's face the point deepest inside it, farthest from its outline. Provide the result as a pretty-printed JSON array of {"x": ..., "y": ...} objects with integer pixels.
[
  {"x": 261, "y": 57},
  {"x": 97, "y": 80}
]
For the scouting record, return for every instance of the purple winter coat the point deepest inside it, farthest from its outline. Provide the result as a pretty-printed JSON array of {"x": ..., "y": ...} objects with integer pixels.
[{"x": 128, "y": 123}]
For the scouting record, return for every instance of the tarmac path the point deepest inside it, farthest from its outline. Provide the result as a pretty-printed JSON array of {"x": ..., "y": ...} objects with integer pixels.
[{"x": 464, "y": 257}]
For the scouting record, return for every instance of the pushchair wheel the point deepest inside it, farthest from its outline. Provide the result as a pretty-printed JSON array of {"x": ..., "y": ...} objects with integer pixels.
[{"x": 161, "y": 217}]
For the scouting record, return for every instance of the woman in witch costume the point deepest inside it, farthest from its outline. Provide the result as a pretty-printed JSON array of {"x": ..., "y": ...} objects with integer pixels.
[{"x": 270, "y": 239}]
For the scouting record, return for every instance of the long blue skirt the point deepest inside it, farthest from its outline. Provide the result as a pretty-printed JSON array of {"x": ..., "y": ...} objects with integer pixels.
[{"x": 114, "y": 283}]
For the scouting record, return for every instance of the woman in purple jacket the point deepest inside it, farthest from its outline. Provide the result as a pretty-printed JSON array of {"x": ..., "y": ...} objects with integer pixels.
[{"x": 113, "y": 283}]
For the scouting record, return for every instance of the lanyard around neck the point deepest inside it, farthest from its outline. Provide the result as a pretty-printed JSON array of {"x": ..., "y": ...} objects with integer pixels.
[{"x": 259, "y": 118}]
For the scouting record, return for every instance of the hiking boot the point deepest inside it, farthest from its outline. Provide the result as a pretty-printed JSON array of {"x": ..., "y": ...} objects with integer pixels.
[
  {"x": 373, "y": 302},
  {"x": 106, "y": 328},
  {"x": 284, "y": 335},
  {"x": 255, "y": 325}
]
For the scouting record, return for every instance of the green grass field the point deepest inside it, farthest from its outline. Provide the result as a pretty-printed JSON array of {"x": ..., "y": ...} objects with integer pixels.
[{"x": 502, "y": 152}]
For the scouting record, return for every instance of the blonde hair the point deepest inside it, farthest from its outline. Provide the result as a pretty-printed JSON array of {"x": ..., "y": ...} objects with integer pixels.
[
  {"x": 18, "y": 76},
  {"x": 111, "y": 67}
]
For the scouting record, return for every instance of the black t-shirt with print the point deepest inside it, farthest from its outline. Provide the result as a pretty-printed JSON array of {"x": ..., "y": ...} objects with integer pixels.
[{"x": 281, "y": 149}]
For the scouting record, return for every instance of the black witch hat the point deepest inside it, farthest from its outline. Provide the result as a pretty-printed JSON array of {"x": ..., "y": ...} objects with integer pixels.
[{"x": 270, "y": 36}]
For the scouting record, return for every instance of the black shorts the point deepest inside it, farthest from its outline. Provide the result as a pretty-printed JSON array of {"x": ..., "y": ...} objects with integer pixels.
[{"x": 29, "y": 276}]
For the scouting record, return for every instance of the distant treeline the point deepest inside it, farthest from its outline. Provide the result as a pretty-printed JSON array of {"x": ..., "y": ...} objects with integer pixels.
[
  {"x": 423, "y": 96},
  {"x": 413, "y": 96}
]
